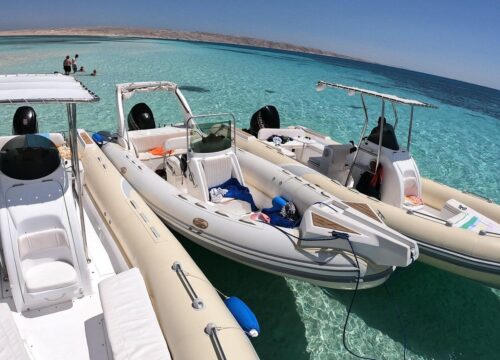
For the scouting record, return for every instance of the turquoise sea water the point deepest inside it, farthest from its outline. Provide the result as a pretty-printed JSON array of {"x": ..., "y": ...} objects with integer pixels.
[{"x": 438, "y": 315}]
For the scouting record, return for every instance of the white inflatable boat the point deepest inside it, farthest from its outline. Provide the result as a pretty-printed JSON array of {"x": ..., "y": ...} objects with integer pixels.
[
  {"x": 87, "y": 270},
  {"x": 455, "y": 230},
  {"x": 181, "y": 171}
]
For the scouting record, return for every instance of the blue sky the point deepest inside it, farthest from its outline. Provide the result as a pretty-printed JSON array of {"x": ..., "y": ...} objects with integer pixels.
[{"x": 456, "y": 39}]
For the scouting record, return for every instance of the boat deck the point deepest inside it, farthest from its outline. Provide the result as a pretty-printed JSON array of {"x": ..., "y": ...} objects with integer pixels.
[{"x": 76, "y": 327}]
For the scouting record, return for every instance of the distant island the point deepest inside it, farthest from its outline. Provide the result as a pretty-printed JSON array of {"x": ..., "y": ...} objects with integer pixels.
[{"x": 173, "y": 35}]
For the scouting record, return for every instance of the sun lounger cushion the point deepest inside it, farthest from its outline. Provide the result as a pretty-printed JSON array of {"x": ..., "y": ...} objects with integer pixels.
[
  {"x": 11, "y": 344},
  {"x": 131, "y": 324}
]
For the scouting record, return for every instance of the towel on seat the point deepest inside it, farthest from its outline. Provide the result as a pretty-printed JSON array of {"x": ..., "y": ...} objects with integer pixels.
[{"x": 234, "y": 190}]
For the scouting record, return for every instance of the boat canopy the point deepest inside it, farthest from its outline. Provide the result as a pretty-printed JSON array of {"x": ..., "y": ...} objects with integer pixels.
[
  {"x": 52, "y": 89},
  {"x": 321, "y": 85},
  {"x": 129, "y": 89},
  {"x": 392, "y": 99},
  {"x": 126, "y": 90},
  {"x": 43, "y": 88}
]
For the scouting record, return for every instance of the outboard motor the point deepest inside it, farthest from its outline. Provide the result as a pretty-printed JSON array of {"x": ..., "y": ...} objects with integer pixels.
[
  {"x": 140, "y": 117},
  {"x": 24, "y": 121},
  {"x": 265, "y": 117}
]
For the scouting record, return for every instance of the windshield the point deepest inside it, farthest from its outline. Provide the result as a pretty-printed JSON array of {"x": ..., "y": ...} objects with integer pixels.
[{"x": 210, "y": 136}]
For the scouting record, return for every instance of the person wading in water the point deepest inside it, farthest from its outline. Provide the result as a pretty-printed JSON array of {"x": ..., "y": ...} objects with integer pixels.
[
  {"x": 73, "y": 63},
  {"x": 67, "y": 65}
]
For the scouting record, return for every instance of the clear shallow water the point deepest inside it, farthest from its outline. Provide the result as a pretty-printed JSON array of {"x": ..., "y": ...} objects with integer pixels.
[{"x": 444, "y": 316}]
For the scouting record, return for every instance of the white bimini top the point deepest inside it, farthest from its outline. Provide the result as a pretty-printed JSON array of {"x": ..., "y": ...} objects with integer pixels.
[{"x": 43, "y": 88}]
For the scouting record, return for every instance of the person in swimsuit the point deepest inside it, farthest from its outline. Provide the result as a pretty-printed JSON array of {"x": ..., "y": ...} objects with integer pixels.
[
  {"x": 94, "y": 73},
  {"x": 67, "y": 65},
  {"x": 73, "y": 63}
]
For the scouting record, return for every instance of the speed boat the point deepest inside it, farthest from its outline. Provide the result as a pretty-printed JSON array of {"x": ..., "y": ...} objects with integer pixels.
[
  {"x": 456, "y": 231},
  {"x": 87, "y": 270},
  {"x": 244, "y": 207}
]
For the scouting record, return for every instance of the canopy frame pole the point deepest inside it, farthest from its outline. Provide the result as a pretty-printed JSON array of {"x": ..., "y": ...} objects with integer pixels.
[
  {"x": 409, "y": 130},
  {"x": 365, "y": 110},
  {"x": 75, "y": 169},
  {"x": 381, "y": 134},
  {"x": 121, "y": 119},
  {"x": 395, "y": 115}
]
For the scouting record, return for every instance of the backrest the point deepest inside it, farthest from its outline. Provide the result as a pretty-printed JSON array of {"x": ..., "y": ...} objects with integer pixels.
[
  {"x": 176, "y": 143},
  {"x": 52, "y": 242},
  {"x": 212, "y": 171},
  {"x": 144, "y": 140},
  {"x": 217, "y": 170},
  {"x": 335, "y": 157}
]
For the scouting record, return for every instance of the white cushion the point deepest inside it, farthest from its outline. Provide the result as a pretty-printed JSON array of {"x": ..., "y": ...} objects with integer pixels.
[
  {"x": 145, "y": 140},
  {"x": 177, "y": 143},
  {"x": 263, "y": 134},
  {"x": 49, "y": 275},
  {"x": 131, "y": 324},
  {"x": 33, "y": 242},
  {"x": 11, "y": 344}
]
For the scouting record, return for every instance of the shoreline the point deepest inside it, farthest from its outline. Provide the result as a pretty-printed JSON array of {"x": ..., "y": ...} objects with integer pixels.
[
  {"x": 166, "y": 34},
  {"x": 205, "y": 37}
]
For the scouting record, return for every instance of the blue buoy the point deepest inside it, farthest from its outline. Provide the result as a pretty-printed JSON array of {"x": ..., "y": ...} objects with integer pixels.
[
  {"x": 278, "y": 203},
  {"x": 98, "y": 138},
  {"x": 243, "y": 315}
]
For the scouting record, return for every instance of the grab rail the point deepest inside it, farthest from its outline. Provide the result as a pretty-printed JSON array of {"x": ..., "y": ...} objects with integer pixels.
[
  {"x": 197, "y": 302},
  {"x": 486, "y": 232},
  {"x": 211, "y": 330},
  {"x": 422, "y": 214}
]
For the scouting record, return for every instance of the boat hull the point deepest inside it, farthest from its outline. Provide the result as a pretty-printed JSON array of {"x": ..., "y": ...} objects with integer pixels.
[
  {"x": 254, "y": 244},
  {"x": 147, "y": 244},
  {"x": 456, "y": 250}
]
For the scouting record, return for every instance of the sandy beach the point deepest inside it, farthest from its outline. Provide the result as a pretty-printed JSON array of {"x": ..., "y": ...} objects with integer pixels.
[{"x": 173, "y": 35}]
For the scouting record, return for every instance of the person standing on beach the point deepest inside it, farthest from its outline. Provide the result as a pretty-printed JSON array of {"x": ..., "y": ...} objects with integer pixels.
[
  {"x": 67, "y": 65},
  {"x": 73, "y": 63}
]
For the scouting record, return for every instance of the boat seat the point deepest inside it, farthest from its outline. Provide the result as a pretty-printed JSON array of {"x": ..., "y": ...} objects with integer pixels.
[
  {"x": 11, "y": 344},
  {"x": 334, "y": 161},
  {"x": 144, "y": 140},
  {"x": 218, "y": 169},
  {"x": 179, "y": 144},
  {"x": 265, "y": 133},
  {"x": 212, "y": 171},
  {"x": 50, "y": 275},
  {"x": 46, "y": 260},
  {"x": 131, "y": 323},
  {"x": 315, "y": 160}
]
